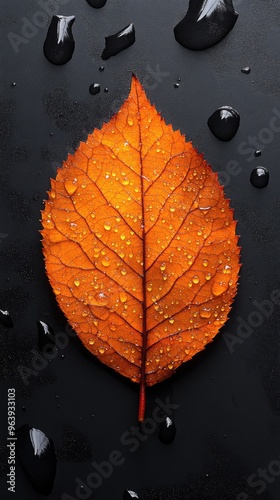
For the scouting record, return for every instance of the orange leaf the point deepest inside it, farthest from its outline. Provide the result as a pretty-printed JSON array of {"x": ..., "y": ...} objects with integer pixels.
[{"x": 140, "y": 245}]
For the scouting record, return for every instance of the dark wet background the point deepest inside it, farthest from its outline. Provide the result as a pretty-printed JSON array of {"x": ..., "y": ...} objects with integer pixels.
[{"x": 229, "y": 403}]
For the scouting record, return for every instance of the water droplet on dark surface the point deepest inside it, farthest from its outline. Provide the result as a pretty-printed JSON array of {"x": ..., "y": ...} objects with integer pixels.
[
  {"x": 13, "y": 84},
  {"x": 259, "y": 177},
  {"x": 5, "y": 318},
  {"x": 37, "y": 456},
  {"x": 45, "y": 335},
  {"x": 246, "y": 70},
  {"x": 97, "y": 4},
  {"x": 62, "y": 356},
  {"x": 206, "y": 23},
  {"x": 176, "y": 85},
  {"x": 257, "y": 153},
  {"x": 94, "y": 88},
  {"x": 224, "y": 123},
  {"x": 59, "y": 44},
  {"x": 101, "y": 68},
  {"x": 118, "y": 42},
  {"x": 129, "y": 494},
  {"x": 23, "y": 408},
  {"x": 167, "y": 431},
  {"x": 106, "y": 90}
]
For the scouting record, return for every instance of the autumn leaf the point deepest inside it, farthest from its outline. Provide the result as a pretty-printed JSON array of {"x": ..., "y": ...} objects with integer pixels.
[{"x": 140, "y": 245}]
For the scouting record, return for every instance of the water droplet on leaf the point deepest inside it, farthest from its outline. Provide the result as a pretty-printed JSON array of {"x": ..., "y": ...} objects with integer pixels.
[
  {"x": 218, "y": 288},
  {"x": 123, "y": 297},
  {"x": 106, "y": 262}
]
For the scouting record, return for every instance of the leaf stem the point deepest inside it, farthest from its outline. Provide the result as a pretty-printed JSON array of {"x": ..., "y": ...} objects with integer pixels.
[{"x": 142, "y": 400}]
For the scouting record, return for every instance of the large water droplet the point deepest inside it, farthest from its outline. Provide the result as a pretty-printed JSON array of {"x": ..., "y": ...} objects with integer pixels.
[
  {"x": 246, "y": 70},
  {"x": 224, "y": 123},
  {"x": 129, "y": 494},
  {"x": 97, "y": 4},
  {"x": 37, "y": 457},
  {"x": 45, "y": 335},
  {"x": 118, "y": 42},
  {"x": 259, "y": 177},
  {"x": 94, "y": 88},
  {"x": 206, "y": 23},
  {"x": 59, "y": 44},
  {"x": 167, "y": 431},
  {"x": 5, "y": 318}
]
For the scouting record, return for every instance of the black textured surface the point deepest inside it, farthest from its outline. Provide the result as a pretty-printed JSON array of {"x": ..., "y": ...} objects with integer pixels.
[{"x": 228, "y": 411}]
